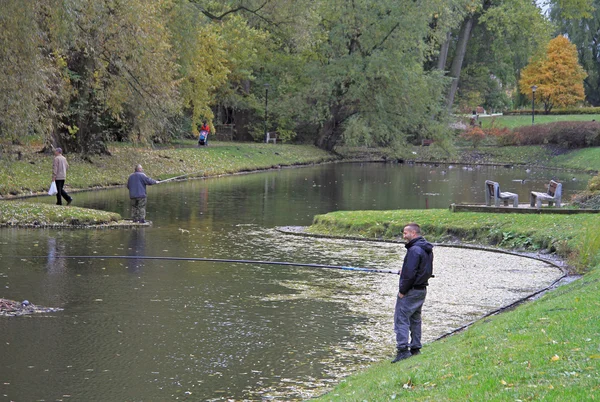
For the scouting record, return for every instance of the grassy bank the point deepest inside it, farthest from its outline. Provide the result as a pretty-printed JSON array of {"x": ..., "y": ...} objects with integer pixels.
[
  {"x": 19, "y": 213},
  {"x": 587, "y": 159},
  {"x": 573, "y": 236},
  {"x": 543, "y": 350},
  {"x": 32, "y": 173}
]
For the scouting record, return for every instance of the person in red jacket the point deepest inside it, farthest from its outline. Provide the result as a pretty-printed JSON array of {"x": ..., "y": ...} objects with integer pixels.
[{"x": 203, "y": 137}]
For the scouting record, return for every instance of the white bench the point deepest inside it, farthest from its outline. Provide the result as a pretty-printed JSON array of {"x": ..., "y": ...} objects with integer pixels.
[
  {"x": 272, "y": 137},
  {"x": 492, "y": 190},
  {"x": 553, "y": 195}
]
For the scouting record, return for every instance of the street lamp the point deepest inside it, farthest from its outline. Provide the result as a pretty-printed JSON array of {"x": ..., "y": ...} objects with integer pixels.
[
  {"x": 266, "y": 111},
  {"x": 533, "y": 89}
]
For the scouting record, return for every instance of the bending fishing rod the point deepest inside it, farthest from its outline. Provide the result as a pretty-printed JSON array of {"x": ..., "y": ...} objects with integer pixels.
[{"x": 297, "y": 264}]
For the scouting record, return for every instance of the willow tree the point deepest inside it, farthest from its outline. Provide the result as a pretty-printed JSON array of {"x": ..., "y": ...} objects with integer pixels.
[
  {"x": 24, "y": 72},
  {"x": 116, "y": 65}
]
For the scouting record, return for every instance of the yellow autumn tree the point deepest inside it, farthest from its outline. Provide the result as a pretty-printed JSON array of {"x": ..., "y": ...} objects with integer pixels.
[{"x": 557, "y": 75}]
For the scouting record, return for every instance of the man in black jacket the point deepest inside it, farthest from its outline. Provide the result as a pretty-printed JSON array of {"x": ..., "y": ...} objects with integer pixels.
[{"x": 416, "y": 271}]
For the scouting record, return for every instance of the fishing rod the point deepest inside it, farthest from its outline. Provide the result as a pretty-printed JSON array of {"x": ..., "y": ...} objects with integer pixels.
[
  {"x": 179, "y": 177},
  {"x": 297, "y": 264}
]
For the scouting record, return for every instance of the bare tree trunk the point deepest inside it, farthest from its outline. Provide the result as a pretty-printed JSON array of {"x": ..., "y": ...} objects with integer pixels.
[
  {"x": 459, "y": 56},
  {"x": 443, "y": 57}
]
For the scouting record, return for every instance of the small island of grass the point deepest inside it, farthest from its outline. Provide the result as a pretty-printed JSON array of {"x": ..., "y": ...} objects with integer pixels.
[{"x": 29, "y": 214}]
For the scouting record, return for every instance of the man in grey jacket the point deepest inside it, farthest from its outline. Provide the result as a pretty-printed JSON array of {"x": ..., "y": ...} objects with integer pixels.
[{"x": 136, "y": 184}]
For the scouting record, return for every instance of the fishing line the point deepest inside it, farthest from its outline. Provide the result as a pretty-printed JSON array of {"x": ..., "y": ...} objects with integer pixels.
[{"x": 296, "y": 264}]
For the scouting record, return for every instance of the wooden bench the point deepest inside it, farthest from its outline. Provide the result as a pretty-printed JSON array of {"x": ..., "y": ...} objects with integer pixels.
[
  {"x": 492, "y": 190},
  {"x": 553, "y": 195},
  {"x": 272, "y": 137}
]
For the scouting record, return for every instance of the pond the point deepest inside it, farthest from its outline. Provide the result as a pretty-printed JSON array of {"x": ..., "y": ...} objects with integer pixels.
[{"x": 161, "y": 330}]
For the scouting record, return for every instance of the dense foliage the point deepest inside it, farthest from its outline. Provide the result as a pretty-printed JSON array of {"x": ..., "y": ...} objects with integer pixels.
[
  {"x": 79, "y": 73},
  {"x": 584, "y": 32}
]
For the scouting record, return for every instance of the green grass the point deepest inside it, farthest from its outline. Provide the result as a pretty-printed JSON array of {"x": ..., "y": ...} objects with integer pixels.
[
  {"x": 544, "y": 350},
  {"x": 19, "y": 213},
  {"x": 32, "y": 174},
  {"x": 525, "y": 120},
  {"x": 563, "y": 234}
]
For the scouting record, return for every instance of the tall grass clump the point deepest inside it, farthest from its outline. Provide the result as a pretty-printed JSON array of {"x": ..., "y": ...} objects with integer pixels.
[
  {"x": 591, "y": 197},
  {"x": 586, "y": 252}
]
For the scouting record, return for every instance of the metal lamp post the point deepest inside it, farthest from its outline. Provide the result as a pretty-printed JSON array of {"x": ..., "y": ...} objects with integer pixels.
[
  {"x": 266, "y": 111},
  {"x": 533, "y": 89}
]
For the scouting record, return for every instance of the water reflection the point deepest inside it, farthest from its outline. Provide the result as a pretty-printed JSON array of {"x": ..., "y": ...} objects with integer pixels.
[
  {"x": 160, "y": 330},
  {"x": 55, "y": 265},
  {"x": 136, "y": 247}
]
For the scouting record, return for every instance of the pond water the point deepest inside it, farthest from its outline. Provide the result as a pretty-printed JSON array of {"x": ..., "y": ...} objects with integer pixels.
[{"x": 162, "y": 330}]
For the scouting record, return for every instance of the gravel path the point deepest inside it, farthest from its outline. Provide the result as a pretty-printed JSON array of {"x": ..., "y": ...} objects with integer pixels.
[{"x": 468, "y": 285}]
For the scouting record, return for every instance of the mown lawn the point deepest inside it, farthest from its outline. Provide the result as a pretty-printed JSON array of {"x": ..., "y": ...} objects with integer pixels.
[
  {"x": 525, "y": 120},
  {"x": 548, "y": 349},
  {"x": 32, "y": 173}
]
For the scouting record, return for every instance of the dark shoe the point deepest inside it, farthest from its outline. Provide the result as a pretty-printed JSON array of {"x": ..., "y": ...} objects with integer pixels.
[
  {"x": 415, "y": 352},
  {"x": 401, "y": 355},
  {"x": 69, "y": 202},
  {"x": 142, "y": 221}
]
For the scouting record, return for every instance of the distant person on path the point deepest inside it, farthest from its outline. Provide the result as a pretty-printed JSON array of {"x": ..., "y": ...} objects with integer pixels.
[
  {"x": 416, "y": 271},
  {"x": 203, "y": 136},
  {"x": 59, "y": 175},
  {"x": 136, "y": 184}
]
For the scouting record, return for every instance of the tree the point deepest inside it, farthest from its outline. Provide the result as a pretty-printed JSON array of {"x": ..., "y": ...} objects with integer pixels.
[
  {"x": 497, "y": 35},
  {"x": 585, "y": 34},
  {"x": 24, "y": 72},
  {"x": 557, "y": 75},
  {"x": 363, "y": 78}
]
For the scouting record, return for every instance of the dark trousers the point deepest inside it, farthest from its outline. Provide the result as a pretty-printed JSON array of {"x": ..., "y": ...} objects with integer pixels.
[
  {"x": 407, "y": 319},
  {"x": 60, "y": 184}
]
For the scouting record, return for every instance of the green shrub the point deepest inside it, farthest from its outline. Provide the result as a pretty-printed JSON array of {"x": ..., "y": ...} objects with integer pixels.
[{"x": 594, "y": 183}]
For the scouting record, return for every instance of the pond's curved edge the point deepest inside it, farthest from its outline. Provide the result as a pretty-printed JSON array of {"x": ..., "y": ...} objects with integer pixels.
[
  {"x": 123, "y": 224},
  {"x": 301, "y": 231}
]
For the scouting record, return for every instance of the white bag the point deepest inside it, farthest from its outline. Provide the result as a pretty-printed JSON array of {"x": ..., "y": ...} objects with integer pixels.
[{"x": 53, "y": 189}]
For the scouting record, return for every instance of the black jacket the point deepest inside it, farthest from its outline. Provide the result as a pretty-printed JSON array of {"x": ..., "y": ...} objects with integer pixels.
[{"x": 418, "y": 265}]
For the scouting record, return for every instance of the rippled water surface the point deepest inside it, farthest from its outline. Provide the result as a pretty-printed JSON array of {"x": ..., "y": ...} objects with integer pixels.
[{"x": 160, "y": 330}]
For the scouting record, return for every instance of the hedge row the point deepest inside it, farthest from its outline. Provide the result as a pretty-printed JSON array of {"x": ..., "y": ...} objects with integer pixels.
[{"x": 566, "y": 134}]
